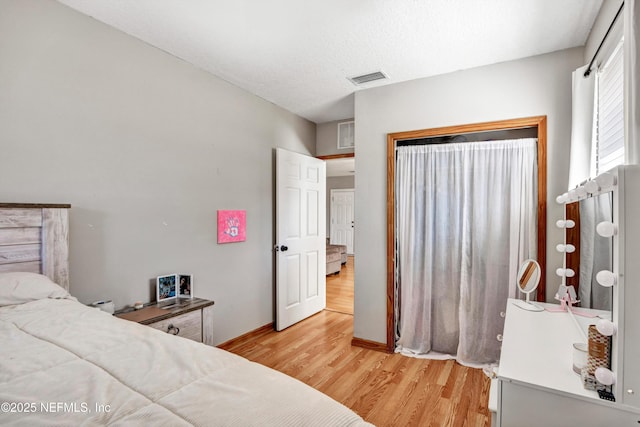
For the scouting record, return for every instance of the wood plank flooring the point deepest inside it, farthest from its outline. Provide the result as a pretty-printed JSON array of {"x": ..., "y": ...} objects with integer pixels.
[
  {"x": 340, "y": 289},
  {"x": 385, "y": 389}
]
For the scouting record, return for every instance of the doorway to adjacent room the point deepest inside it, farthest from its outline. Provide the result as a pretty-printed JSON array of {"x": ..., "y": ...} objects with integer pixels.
[{"x": 341, "y": 228}]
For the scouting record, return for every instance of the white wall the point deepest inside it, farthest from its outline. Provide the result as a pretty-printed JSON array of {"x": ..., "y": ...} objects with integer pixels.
[
  {"x": 146, "y": 148},
  {"x": 604, "y": 19},
  {"x": 534, "y": 86}
]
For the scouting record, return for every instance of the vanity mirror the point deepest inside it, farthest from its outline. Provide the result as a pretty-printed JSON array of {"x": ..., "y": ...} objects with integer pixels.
[
  {"x": 595, "y": 211},
  {"x": 528, "y": 279},
  {"x": 606, "y": 212},
  {"x": 594, "y": 252}
]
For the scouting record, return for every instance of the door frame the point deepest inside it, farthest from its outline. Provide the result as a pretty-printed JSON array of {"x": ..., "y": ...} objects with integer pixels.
[{"x": 538, "y": 122}]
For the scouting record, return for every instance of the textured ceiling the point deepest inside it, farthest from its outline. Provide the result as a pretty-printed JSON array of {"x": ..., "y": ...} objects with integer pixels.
[{"x": 298, "y": 54}]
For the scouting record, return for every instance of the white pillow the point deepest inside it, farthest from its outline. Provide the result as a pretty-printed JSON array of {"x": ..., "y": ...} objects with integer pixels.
[{"x": 18, "y": 288}]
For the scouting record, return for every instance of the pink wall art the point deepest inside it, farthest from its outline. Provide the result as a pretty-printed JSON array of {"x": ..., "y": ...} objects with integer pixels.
[{"x": 232, "y": 226}]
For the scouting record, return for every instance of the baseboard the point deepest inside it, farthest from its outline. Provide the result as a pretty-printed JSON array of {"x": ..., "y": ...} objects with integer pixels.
[
  {"x": 247, "y": 337},
  {"x": 370, "y": 345}
]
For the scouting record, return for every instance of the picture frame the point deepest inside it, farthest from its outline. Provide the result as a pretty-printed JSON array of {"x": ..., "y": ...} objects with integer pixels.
[
  {"x": 185, "y": 286},
  {"x": 232, "y": 226},
  {"x": 166, "y": 287}
]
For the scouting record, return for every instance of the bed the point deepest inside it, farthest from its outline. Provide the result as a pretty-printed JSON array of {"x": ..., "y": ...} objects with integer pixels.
[{"x": 63, "y": 363}]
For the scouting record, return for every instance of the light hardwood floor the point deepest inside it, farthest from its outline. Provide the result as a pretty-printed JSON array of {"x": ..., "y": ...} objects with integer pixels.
[
  {"x": 385, "y": 389},
  {"x": 340, "y": 289}
]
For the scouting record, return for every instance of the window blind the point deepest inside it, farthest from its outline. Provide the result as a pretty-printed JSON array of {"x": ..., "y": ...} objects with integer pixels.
[{"x": 610, "y": 142}]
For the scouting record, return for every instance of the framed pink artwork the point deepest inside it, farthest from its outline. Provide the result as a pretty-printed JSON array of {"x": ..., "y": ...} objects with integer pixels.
[{"x": 232, "y": 226}]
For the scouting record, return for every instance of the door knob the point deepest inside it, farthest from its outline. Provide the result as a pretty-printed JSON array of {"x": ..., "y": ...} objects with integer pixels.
[{"x": 284, "y": 248}]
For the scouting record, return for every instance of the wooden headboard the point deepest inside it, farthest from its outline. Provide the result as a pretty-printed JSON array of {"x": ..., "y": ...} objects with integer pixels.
[{"x": 35, "y": 238}]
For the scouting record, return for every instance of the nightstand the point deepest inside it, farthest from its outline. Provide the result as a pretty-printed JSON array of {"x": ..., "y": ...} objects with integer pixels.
[{"x": 188, "y": 318}]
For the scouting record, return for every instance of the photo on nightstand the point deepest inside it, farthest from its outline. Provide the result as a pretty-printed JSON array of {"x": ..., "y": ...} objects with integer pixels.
[
  {"x": 185, "y": 288},
  {"x": 166, "y": 287}
]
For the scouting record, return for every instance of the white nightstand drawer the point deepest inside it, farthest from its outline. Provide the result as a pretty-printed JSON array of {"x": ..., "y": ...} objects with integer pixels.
[{"x": 188, "y": 325}]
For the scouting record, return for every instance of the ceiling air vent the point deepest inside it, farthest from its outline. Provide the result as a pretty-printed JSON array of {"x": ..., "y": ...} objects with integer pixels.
[{"x": 366, "y": 78}]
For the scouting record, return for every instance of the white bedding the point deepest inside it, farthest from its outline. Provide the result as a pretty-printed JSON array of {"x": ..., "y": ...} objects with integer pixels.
[{"x": 68, "y": 364}]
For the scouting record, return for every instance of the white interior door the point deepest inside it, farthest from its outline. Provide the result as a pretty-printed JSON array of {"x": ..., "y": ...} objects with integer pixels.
[
  {"x": 342, "y": 218},
  {"x": 300, "y": 237}
]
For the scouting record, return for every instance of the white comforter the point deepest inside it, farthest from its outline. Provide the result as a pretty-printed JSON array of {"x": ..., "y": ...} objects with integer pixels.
[{"x": 62, "y": 363}]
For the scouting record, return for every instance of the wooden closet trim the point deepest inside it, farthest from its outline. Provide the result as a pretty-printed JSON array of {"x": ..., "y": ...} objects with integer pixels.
[
  {"x": 336, "y": 156},
  {"x": 538, "y": 122}
]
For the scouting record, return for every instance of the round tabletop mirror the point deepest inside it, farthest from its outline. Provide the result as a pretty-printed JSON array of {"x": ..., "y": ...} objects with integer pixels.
[{"x": 528, "y": 279}]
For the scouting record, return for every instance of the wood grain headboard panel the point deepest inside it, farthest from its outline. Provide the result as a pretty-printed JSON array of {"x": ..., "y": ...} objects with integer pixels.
[{"x": 35, "y": 238}]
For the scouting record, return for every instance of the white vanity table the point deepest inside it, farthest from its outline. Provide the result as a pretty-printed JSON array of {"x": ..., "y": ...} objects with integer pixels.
[{"x": 537, "y": 385}]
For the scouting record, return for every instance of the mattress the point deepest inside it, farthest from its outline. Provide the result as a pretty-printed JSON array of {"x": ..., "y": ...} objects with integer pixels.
[{"x": 63, "y": 363}]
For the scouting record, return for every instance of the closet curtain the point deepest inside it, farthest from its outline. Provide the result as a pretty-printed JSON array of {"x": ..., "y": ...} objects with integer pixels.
[{"x": 466, "y": 218}]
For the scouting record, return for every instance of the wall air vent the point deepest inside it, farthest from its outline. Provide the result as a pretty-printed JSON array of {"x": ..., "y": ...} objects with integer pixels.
[
  {"x": 366, "y": 78},
  {"x": 346, "y": 136}
]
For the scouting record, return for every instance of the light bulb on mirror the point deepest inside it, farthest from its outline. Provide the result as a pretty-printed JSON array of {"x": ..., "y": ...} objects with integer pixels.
[
  {"x": 569, "y": 223},
  {"x": 568, "y": 248},
  {"x": 592, "y": 187},
  {"x": 606, "y": 327},
  {"x": 605, "y": 376},
  {"x": 581, "y": 191},
  {"x": 606, "y": 229},
  {"x": 562, "y": 199},
  {"x": 606, "y": 278},
  {"x": 606, "y": 180},
  {"x": 566, "y": 272}
]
